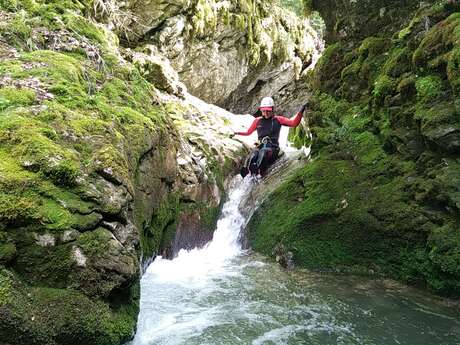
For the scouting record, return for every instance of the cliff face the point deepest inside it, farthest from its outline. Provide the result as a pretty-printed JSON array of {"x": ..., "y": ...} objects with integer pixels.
[
  {"x": 230, "y": 53},
  {"x": 354, "y": 20},
  {"x": 105, "y": 157},
  {"x": 380, "y": 195}
]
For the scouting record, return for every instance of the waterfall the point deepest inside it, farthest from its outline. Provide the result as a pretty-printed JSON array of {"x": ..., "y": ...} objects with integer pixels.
[{"x": 190, "y": 272}]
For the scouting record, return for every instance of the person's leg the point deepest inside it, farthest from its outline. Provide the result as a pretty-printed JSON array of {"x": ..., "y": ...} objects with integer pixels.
[
  {"x": 253, "y": 161},
  {"x": 250, "y": 164},
  {"x": 264, "y": 159},
  {"x": 276, "y": 151}
]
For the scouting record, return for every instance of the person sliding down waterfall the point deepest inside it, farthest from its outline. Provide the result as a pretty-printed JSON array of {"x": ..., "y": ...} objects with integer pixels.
[{"x": 268, "y": 130}]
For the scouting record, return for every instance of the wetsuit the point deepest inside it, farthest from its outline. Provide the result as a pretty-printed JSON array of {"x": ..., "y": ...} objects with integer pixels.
[
  {"x": 271, "y": 127},
  {"x": 268, "y": 132}
]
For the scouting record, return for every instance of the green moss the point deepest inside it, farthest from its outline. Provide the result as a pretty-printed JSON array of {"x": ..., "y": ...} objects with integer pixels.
[
  {"x": 298, "y": 137},
  {"x": 379, "y": 193},
  {"x": 109, "y": 158},
  {"x": 53, "y": 215},
  {"x": 334, "y": 217},
  {"x": 406, "y": 86},
  {"x": 82, "y": 26},
  {"x": 68, "y": 316},
  {"x": 9, "y": 5},
  {"x": 296, "y": 6},
  {"x": 100, "y": 115},
  {"x": 45, "y": 266},
  {"x": 6, "y": 284},
  {"x": 364, "y": 70},
  {"x": 370, "y": 151},
  {"x": 13, "y": 97},
  {"x": 16, "y": 30},
  {"x": 453, "y": 71},
  {"x": 66, "y": 198},
  {"x": 329, "y": 67},
  {"x": 62, "y": 72},
  {"x": 17, "y": 209},
  {"x": 383, "y": 87},
  {"x": 441, "y": 113},
  {"x": 435, "y": 48},
  {"x": 445, "y": 253},
  {"x": 39, "y": 153},
  {"x": 159, "y": 233},
  {"x": 94, "y": 243},
  {"x": 373, "y": 46},
  {"x": 208, "y": 215},
  {"x": 428, "y": 88},
  {"x": 399, "y": 62},
  {"x": 7, "y": 253},
  {"x": 13, "y": 176}
]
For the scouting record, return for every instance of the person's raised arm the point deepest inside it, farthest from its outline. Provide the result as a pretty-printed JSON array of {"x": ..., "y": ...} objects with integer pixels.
[{"x": 292, "y": 122}]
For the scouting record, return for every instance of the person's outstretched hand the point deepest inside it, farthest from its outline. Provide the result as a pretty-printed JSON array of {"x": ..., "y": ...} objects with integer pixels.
[
  {"x": 304, "y": 107},
  {"x": 232, "y": 135}
]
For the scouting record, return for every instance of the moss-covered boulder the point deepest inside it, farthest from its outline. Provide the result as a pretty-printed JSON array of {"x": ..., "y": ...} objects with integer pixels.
[{"x": 380, "y": 195}]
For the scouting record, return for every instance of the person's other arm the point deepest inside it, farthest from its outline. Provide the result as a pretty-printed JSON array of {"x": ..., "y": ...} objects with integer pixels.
[{"x": 250, "y": 129}]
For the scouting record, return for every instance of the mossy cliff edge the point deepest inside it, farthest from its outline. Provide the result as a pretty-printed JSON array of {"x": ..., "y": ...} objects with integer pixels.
[
  {"x": 103, "y": 156},
  {"x": 381, "y": 193}
]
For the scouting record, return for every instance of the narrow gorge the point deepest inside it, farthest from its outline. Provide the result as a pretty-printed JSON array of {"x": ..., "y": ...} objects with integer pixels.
[{"x": 116, "y": 148}]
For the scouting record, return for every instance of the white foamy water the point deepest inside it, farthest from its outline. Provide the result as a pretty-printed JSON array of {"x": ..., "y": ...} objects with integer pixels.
[{"x": 198, "y": 265}]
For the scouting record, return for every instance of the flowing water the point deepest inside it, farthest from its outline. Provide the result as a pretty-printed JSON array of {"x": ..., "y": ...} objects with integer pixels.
[{"x": 221, "y": 294}]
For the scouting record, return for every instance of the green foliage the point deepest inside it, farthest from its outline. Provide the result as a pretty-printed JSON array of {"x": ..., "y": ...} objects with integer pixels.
[{"x": 298, "y": 137}]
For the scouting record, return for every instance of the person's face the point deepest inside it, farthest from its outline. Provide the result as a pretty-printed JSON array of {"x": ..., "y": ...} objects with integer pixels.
[{"x": 267, "y": 113}]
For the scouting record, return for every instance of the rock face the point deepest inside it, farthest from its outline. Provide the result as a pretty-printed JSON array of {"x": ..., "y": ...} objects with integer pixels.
[
  {"x": 104, "y": 153},
  {"x": 358, "y": 19},
  {"x": 230, "y": 53},
  {"x": 381, "y": 193}
]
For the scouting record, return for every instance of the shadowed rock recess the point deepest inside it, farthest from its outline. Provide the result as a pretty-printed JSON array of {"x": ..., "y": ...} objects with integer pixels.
[
  {"x": 106, "y": 159},
  {"x": 381, "y": 194}
]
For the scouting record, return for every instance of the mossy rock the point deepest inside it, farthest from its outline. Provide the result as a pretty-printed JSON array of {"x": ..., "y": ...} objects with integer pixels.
[{"x": 59, "y": 316}]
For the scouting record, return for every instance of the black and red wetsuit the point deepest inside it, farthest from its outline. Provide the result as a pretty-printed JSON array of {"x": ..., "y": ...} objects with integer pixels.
[
  {"x": 271, "y": 127},
  {"x": 266, "y": 153}
]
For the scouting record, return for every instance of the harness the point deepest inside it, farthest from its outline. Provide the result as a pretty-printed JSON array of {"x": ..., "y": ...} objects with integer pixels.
[{"x": 269, "y": 128}]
